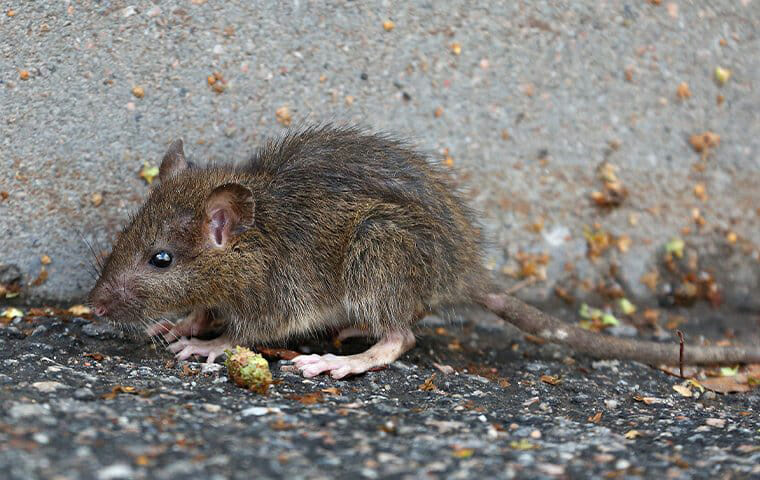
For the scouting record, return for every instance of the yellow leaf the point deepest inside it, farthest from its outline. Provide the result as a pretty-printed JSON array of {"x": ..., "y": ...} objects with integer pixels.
[
  {"x": 722, "y": 75},
  {"x": 631, "y": 434},
  {"x": 463, "y": 452},
  {"x": 696, "y": 384},
  {"x": 729, "y": 371},
  {"x": 148, "y": 173},
  {"x": 522, "y": 444},
  {"x": 79, "y": 310},
  {"x": 675, "y": 246},
  {"x": 626, "y": 306},
  {"x": 12, "y": 313}
]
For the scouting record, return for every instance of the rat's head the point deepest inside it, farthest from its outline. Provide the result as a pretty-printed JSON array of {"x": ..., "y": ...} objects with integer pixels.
[{"x": 175, "y": 252}]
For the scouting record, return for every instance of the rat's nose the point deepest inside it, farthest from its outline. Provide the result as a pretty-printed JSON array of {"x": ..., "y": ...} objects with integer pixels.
[{"x": 100, "y": 310}]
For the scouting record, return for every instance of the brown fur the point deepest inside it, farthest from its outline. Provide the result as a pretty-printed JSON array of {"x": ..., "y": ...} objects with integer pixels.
[{"x": 349, "y": 229}]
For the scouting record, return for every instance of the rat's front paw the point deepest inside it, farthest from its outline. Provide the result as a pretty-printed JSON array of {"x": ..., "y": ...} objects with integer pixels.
[{"x": 187, "y": 347}]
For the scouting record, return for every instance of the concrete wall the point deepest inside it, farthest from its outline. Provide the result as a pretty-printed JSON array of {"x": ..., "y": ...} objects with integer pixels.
[{"x": 527, "y": 98}]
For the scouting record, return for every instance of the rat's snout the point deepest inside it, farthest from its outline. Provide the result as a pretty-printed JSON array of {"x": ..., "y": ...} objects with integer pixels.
[
  {"x": 103, "y": 303},
  {"x": 108, "y": 299}
]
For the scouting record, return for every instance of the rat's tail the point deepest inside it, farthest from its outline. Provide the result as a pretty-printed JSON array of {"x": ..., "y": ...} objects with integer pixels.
[{"x": 535, "y": 322}]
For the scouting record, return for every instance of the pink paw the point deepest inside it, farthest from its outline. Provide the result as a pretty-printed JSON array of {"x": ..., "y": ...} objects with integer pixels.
[
  {"x": 161, "y": 327},
  {"x": 338, "y": 366},
  {"x": 211, "y": 349}
]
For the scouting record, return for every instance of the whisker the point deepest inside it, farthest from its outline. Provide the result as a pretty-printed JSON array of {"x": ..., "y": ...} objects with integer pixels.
[{"x": 98, "y": 265}]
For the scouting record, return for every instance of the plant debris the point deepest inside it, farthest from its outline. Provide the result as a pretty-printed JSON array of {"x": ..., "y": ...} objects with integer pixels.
[
  {"x": 613, "y": 192},
  {"x": 283, "y": 116},
  {"x": 148, "y": 173},
  {"x": 248, "y": 370},
  {"x": 722, "y": 75},
  {"x": 704, "y": 142}
]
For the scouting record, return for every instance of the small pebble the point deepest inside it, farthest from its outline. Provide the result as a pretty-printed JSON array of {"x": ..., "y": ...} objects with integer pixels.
[
  {"x": 39, "y": 330},
  {"x": 117, "y": 471},
  {"x": 49, "y": 386},
  {"x": 84, "y": 394}
]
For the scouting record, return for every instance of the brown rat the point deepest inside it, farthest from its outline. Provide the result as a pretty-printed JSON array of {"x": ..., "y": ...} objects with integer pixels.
[{"x": 325, "y": 228}]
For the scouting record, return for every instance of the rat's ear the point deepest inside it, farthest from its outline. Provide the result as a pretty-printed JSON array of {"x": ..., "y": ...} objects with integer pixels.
[
  {"x": 229, "y": 211},
  {"x": 173, "y": 162}
]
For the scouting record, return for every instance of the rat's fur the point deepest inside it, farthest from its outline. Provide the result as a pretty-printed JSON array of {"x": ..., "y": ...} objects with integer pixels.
[
  {"x": 328, "y": 227},
  {"x": 349, "y": 229}
]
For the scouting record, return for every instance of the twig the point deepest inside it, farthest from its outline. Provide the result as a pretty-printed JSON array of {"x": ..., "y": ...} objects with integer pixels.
[{"x": 680, "y": 352}]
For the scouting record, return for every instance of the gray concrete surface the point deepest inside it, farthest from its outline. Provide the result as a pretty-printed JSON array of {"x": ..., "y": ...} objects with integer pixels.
[{"x": 553, "y": 75}]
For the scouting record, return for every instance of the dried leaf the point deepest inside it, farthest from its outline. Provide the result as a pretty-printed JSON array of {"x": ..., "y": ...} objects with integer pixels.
[
  {"x": 551, "y": 379},
  {"x": 683, "y": 390},
  {"x": 683, "y": 91},
  {"x": 648, "y": 400},
  {"x": 725, "y": 385},
  {"x": 308, "y": 398},
  {"x": 632, "y": 434},
  {"x": 702, "y": 142},
  {"x": 283, "y": 116},
  {"x": 428, "y": 385},
  {"x": 281, "y": 353}
]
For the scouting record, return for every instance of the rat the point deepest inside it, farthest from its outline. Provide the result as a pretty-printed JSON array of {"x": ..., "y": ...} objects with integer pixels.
[{"x": 326, "y": 228}]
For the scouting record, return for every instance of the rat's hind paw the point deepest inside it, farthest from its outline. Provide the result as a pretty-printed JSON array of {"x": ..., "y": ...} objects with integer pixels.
[
  {"x": 338, "y": 366},
  {"x": 389, "y": 348},
  {"x": 187, "y": 347}
]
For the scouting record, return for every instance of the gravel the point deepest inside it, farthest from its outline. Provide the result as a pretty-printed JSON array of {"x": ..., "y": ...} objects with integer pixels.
[
  {"x": 105, "y": 407},
  {"x": 539, "y": 95}
]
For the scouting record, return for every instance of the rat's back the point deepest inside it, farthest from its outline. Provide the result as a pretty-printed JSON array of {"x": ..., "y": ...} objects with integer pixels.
[{"x": 372, "y": 223}]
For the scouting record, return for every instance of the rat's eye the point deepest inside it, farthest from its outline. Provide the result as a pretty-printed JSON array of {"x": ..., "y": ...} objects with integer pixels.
[{"x": 161, "y": 259}]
